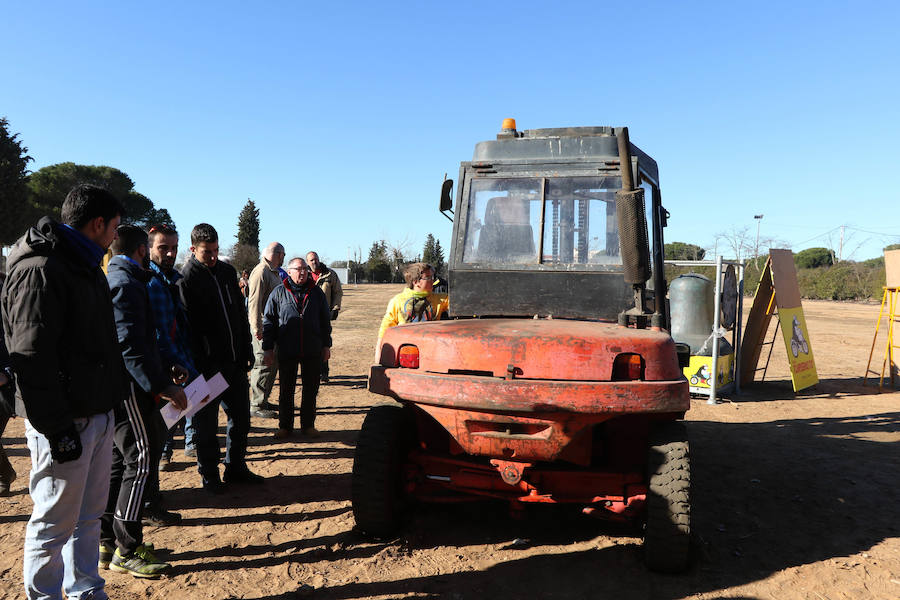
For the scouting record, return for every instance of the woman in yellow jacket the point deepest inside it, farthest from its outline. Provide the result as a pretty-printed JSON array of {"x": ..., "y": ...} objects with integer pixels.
[{"x": 416, "y": 303}]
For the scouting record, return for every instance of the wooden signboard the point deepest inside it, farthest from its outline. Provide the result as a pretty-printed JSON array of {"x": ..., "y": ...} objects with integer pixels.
[
  {"x": 778, "y": 287},
  {"x": 892, "y": 269}
]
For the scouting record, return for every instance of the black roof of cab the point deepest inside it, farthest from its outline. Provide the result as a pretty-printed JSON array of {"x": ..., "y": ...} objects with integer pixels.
[{"x": 565, "y": 144}]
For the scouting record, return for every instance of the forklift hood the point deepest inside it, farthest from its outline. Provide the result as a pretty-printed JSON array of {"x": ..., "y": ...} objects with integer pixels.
[{"x": 537, "y": 349}]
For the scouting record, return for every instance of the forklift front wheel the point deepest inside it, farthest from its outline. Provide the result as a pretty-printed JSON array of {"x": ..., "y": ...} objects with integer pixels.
[
  {"x": 668, "y": 529},
  {"x": 377, "y": 493}
]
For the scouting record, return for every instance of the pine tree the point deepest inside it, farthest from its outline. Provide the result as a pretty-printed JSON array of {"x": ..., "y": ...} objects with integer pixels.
[
  {"x": 428, "y": 250},
  {"x": 16, "y": 213},
  {"x": 378, "y": 267},
  {"x": 433, "y": 254},
  {"x": 438, "y": 257},
  {"x": 248, "y": 226}
]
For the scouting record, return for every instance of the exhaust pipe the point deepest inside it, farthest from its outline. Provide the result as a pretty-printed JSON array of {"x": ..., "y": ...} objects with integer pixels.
[{"x": 634, "y": 245}]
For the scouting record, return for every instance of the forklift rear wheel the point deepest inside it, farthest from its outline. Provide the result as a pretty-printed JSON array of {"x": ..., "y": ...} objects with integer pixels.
[
  {"x": 668, "y": 528},
  {"x": 377, "y": 494}
]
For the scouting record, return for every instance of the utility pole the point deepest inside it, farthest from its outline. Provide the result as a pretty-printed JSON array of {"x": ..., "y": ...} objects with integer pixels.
[
  {"x": 756, "y": 248},
  {"x": 841, "y": 250}
]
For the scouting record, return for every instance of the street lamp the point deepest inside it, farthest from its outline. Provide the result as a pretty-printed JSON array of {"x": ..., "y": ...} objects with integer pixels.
[{"x": 758, "y": 222}]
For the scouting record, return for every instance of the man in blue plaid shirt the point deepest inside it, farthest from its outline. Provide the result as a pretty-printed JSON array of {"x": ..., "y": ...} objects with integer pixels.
[{"x": 173, "y": 339}]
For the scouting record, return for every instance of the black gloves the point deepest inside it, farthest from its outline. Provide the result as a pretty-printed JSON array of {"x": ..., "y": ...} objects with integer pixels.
[
  {"x": 65, "y": 445},
  {"x": 334, "y": 313}
]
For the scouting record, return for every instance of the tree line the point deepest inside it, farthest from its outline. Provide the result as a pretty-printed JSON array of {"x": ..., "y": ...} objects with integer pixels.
[
  {"x": 386, "y": 261},
  {"x": 819, "y": 275},
  {"x": 27, "y": 196}
]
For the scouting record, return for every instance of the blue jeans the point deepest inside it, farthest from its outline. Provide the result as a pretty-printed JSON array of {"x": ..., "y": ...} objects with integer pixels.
[
  {"x": 169, "y": 444},
  {"x": 236, "y": 402},
  {"x": 62, "y": 538}
]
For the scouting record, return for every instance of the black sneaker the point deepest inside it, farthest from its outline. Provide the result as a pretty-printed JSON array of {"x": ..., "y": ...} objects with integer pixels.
[
  {"x": 165, "y": 462},
  {"x": 160, "y": 517},
  {"x": 242, "y": 475},
  {"x": 213, "y": 486}
]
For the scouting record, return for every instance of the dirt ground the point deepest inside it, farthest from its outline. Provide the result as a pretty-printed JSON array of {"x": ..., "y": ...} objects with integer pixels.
[{"x": 794, "y": 496}]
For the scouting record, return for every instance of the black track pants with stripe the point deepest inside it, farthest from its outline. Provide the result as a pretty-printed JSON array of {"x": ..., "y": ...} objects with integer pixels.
[{"x": 136, "y": 451}]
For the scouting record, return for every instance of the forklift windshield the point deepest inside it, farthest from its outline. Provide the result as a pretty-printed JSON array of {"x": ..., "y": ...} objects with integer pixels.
[{"x": 542, "y": 220}]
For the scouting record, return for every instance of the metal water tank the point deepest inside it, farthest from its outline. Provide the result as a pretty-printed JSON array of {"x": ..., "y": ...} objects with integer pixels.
[{"x": 691, "y": 305}]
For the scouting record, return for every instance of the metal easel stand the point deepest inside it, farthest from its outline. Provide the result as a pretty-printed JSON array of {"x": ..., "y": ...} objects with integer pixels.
[
  {"x": 890, "y": 298},
  {"x": 717, "y": 330}
]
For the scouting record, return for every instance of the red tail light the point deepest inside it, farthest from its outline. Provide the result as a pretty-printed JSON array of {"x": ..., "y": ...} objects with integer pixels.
[
  {"x": 628, "y": 367},
  {"x": 408, "y": 357}
]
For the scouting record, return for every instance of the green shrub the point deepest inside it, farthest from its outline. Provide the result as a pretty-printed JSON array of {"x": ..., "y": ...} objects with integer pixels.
[
  {"x": 843, "y": 281},
  {"x": 813, "y": 257}
]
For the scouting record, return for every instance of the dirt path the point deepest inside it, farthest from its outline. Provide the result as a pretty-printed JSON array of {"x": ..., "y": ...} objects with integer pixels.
[{"x": 794, "y": 497}]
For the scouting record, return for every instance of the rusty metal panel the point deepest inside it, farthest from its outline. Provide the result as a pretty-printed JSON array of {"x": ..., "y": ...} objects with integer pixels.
[
  {"x": 492, "y": 394},
  {"x": 537, "y": 348}
]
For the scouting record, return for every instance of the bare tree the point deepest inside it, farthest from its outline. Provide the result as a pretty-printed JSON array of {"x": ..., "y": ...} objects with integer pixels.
[
  {"x": 738, "y": 240},
  {"x": 741, "y": 243},
  {"x": 398, "y": 251},
  {"x": 843, "y": 245}
]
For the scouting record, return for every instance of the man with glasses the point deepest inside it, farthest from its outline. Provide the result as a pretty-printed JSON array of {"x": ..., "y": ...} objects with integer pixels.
[{"x": 297, "y": 321}]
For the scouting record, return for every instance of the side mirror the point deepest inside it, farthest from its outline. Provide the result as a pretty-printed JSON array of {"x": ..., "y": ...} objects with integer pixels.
[{"x": 446, "y": 198}]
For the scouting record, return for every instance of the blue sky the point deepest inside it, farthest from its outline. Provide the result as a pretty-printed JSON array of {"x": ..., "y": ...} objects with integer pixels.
[{"x": 340, "y": 119}]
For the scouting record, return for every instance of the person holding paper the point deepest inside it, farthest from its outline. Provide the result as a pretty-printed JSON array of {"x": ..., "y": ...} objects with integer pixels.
[
  {"x": 137, "y": 434},
  {"x": 220, "y": 342},
  {"x": 297, "y": 320},
  {"x": 172, "y": 338}
]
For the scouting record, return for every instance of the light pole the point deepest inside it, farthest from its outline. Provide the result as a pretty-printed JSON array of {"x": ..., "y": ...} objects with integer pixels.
[{"x": 756, "y": 248}]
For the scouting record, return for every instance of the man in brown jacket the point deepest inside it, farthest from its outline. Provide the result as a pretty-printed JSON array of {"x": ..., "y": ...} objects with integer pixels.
[
  {"x": 264, "y": 278},
  {"x": 327, "y": 281}
]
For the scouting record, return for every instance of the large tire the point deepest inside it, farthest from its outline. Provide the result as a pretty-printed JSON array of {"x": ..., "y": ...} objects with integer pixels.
[
  {"x": 667, "y": 534},
  {"x": 378, "y": 495}
]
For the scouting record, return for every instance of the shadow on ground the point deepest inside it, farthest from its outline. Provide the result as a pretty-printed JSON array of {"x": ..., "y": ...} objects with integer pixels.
[{"x": 766, "y": 497}]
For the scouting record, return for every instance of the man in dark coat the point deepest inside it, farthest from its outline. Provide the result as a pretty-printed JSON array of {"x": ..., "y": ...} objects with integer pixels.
[
  {"x": 7, "y": 410},
  {"x": 298, "y": 320},
  {"x": 61, "y": 337},
  {"x": 138, "y": 436},
  {"x": 220, "y": 340}
]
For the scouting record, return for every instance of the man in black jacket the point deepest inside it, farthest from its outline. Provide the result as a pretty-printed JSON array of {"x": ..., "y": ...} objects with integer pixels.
[
  {"x": 7, "y": 410},
  {"x": 138, "y": 436},
  {"x": 61, "y": 337},
  {"x": 298, "y": 320},
  {"x": 220, "y": 339}
]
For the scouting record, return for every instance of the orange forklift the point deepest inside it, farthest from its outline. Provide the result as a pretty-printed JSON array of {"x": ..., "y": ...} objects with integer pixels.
[{"x": 556, "y": 380}]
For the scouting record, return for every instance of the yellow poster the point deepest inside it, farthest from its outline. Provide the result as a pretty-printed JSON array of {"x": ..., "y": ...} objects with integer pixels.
[
  {"x": 799, "y": 348},
  {"x": 699, "y": 373}
]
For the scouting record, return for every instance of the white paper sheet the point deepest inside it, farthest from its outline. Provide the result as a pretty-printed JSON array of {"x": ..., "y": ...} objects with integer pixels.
[{"x": 199, "y": 393}]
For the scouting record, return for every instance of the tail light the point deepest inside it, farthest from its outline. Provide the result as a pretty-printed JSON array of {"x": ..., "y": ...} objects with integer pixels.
[
  {"x": 408, "y": 357},
  {"x": 628, "y": 367}
]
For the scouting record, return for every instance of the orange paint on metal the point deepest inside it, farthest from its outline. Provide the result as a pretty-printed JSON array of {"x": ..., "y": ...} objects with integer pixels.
[{"x": 538, "y": 348}]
